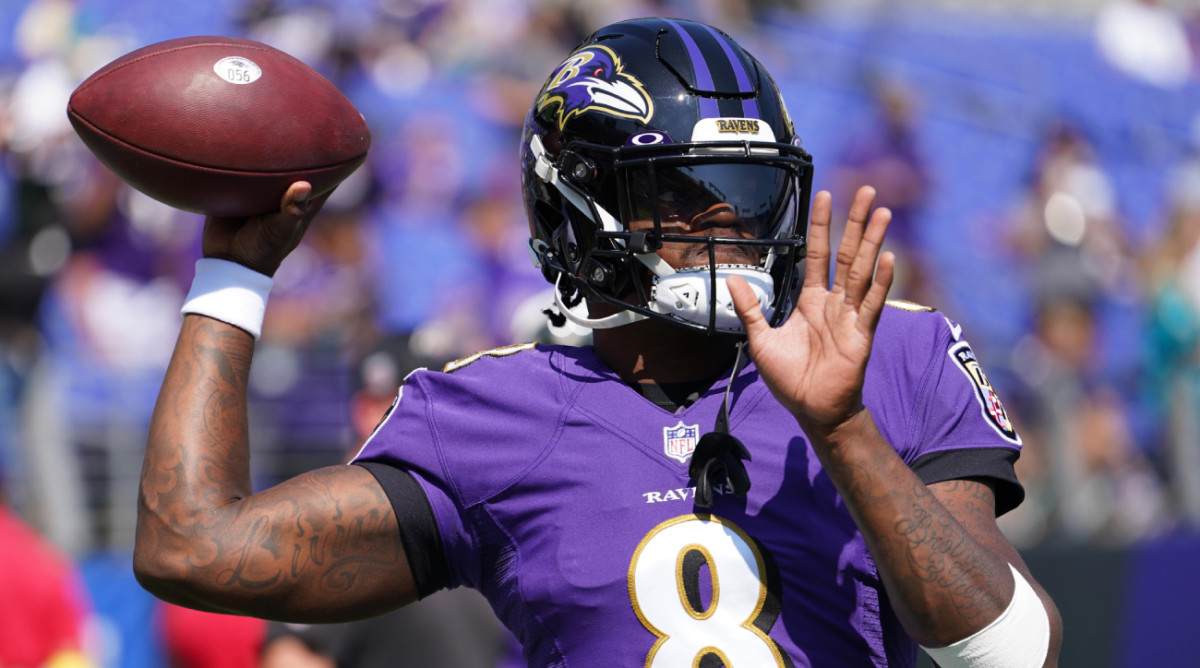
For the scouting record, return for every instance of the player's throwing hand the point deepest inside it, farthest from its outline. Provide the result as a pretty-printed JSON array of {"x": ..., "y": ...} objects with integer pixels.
[{"x": 262, "y": 242}]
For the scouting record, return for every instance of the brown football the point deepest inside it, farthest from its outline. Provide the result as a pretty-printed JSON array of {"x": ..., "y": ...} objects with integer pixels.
[{"x": 218, "y": 125}]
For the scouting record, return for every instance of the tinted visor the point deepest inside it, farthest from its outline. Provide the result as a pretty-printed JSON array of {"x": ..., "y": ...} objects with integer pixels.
[{"x": 757, "y": 200}]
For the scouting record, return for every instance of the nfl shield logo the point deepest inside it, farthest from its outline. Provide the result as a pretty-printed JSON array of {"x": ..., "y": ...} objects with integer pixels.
[{"x": 679, "y": 442}]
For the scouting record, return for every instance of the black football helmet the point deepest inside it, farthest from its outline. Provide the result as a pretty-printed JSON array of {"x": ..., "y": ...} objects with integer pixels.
[{"x": 657, "y": 160}]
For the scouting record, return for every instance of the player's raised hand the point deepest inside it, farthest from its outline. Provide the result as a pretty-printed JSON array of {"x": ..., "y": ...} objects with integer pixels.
[
  {"x": 815, "y": 362},
  {"x": 261, "y": 242}
]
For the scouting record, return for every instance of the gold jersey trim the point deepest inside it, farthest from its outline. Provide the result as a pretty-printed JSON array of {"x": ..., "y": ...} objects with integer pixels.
[
  {"x": 905, "y": 305},
  {"x": 494, "y": 352}
]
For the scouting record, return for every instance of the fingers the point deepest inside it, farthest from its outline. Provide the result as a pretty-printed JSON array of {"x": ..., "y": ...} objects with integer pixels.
[
  {"x": 863, "y": 284},
  {"x": 262, "y": 242},
  {"x": 816, "y": 263},
  {"x": 297, "y": 209},
  {"x": 294, "y": 198},
  {"x": 283, "y": 229},
  {"x": 876, "y": 297},
  {"x": 747, "y": 307},
  {"x": 861, "y": 271},
  {"x": 853, "y": 234}
]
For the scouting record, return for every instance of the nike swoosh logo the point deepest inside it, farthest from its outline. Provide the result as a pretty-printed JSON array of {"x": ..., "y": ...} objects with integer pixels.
[{"x": 955, "y": 329}]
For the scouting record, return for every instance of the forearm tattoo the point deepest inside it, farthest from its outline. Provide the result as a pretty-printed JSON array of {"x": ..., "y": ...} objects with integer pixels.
[
  {"x": 940, "y": 552},
  {"x": 918, "y": 543}
]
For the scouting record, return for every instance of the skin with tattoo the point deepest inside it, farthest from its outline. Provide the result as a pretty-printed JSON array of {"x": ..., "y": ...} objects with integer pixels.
[{"x": 325, "y": 545}]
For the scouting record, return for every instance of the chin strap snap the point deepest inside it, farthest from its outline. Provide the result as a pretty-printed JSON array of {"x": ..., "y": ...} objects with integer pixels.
[{"x": 718, "y": 456}]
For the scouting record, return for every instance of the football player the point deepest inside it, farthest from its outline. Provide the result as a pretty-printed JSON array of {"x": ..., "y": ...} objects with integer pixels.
[{"x": 758, "y": 462}]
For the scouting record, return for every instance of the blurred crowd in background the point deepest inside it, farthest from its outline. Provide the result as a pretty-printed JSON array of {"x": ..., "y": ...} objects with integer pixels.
[{"x": 1044, "y": 171}]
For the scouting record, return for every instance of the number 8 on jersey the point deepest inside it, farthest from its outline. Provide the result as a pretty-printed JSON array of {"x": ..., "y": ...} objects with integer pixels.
[{"x": 666, "y": 591}]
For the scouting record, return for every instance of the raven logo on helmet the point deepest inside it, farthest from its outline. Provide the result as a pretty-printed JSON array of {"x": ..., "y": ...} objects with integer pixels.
[{"x": 593, "y": 79}]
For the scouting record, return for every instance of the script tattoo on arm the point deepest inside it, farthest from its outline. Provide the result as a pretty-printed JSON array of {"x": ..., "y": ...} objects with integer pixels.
[
  {"x": 944, "y": 584},
  {"x": 941, "y": 552},
  {"x": 323, "y": 546}
]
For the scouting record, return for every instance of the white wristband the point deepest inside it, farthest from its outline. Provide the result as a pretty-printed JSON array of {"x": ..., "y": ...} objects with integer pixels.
[
  {"x": 229, "y": 292},
  {"x": 1018, "y": 638}
]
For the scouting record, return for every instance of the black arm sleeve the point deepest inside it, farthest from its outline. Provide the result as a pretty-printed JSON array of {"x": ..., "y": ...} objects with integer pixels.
[
  {"x": 418, "y": 529},
  {"x": 994, "y": 464}
]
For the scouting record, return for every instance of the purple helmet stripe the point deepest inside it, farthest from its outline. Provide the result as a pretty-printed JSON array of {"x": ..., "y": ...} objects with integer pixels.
[
  {"x": 750, "y": 106},
  {"x": 708, "y": 105}
]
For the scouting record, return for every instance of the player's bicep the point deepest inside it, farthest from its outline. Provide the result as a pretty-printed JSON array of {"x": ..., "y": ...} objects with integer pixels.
[{"x": 321, "y": 547}]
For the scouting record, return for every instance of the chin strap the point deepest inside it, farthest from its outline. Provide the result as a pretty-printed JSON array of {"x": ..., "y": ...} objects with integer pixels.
[
  {"x": 718, "y": 456},
  {"x": 623, "y": 317}
]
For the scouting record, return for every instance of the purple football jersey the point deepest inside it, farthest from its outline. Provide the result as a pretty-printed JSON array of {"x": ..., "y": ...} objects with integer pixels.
[{"x": 563, "y": 495}]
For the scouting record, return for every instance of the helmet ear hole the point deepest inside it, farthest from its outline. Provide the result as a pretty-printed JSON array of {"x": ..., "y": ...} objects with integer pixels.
[{"x": 545, "y": 220}]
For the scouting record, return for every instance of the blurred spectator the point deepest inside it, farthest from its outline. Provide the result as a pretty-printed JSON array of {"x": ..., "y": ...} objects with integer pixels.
[
  {"x": 324, "y": 292},
  {"x": 1066, "y": 231},
  {"x": 450, "y": 629},
  {"x": 1093, "y": 483},
  {"x": 1094, "y": 480},
  {"x": 429, "y": 274},
  {"x": 1145, "y": 39},
  {"x": 321, "y": 310},
  {"x": 1067, "y": 238},
  {"x": 27, "y": 250},
  {"x": 194, "y": 639},
  {"x": 1029, "y": 524},
  {"x": 1173, "y": 339},
  {"x": 106, "y": 322},
  {"x": 499, "y": 232},
  {"x": 887, "y": 154},
  {"x": 34, "y": 245},
  {"x": 44, "y": 608}
]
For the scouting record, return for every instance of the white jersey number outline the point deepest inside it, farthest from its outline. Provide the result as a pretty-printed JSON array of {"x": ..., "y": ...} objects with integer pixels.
[{"x": 664, "y": 581}]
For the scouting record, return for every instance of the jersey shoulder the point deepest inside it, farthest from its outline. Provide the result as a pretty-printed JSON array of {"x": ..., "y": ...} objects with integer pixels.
[
  {"x": 481, "y": 422},
  {"x": 913, "y": 330},
  {"x": 517, "y": 360},
  {"x": 923, "y": 361},
  {"x": 918, "y": 334},
  {"x": 486, "y": 371},
  {"x": 513, "y": 385}
]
